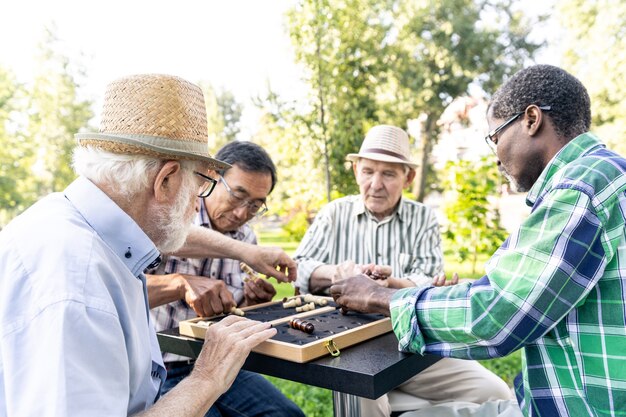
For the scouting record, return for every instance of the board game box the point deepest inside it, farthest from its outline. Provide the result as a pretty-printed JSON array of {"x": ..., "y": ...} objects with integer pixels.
[{"x": 333, "y": 330}]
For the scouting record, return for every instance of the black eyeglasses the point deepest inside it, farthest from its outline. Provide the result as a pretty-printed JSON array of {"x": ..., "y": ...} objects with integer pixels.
[
  {"x": 492, "y": 139},
  {"x": 208, "y": 186},
  {"x": 255, "y": 207}
]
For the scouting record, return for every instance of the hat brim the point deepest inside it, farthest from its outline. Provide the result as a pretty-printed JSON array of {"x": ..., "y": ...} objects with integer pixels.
[
  {"x": 151, "y": 146},
  {"x": 379, "y": 157}
]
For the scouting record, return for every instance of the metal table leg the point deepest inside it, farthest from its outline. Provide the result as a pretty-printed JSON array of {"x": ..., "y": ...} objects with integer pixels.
[{"x": 346, "y": 405}]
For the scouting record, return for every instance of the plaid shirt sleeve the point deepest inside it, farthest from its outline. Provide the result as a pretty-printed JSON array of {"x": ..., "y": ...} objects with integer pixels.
[{"x": 533, "y": 281}]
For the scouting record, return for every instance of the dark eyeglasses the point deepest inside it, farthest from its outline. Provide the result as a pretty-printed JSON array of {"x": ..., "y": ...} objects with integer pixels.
[
  {"x": 255, "y": 207},
  {"x": 208, "y": 186},
  {"x": 492, "y": 139}
]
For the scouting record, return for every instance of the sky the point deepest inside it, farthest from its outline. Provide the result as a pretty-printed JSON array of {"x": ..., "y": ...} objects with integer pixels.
[{"x": 239, "y": 45}]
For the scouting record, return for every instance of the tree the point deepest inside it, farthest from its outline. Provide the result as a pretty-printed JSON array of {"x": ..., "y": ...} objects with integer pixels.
[
  {"x": 390, "y": 61},
  {"x": 473, "y": 224},
  {"x": 594, "y": 47},
  {"x": 223, "y": 116},
  {"x": 12, "y": 150},
  {"x": 56, "y": 111}
]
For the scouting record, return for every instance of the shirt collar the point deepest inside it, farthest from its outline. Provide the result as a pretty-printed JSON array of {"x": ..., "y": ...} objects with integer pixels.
[
  {"x": 579, "y": 146},
  {"x": 359, "y": 209},
  {"x": 114, "y": 226}
]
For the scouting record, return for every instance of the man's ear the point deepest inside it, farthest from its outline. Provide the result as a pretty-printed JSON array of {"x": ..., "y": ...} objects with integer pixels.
[
  {"x": 410, "y": 176},
  {"x": 167, "y": 182},
  {"x": 533, "y": 119}
]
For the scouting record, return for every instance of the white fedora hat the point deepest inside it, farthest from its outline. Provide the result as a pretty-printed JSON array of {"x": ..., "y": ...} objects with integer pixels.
[
  {"x": 155, "y": 115},
  {"x": 387, "y": 144}
]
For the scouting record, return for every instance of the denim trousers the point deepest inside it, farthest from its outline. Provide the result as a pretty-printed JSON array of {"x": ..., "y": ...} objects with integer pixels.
[{"x": 250, "y": 395}]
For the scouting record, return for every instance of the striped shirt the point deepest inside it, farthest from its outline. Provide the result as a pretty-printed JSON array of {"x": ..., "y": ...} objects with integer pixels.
[
  {"x": 408, "y": 240},
  {"x": 556, "y": 289},
  {"x": 227, "y": 270}
]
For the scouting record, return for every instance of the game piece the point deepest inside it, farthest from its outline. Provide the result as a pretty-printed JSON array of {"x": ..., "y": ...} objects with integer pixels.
[
  {"x": 237, "y": 311},
  {"x": 302, "y": 325},
  {"x": 305, "y": 307}
]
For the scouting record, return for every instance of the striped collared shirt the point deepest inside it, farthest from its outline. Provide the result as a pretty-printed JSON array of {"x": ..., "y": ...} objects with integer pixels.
[
  {"x": 556, "y": 289},
  {"x": 408, "y": 240},
  {"x": 227, "y": 270}
]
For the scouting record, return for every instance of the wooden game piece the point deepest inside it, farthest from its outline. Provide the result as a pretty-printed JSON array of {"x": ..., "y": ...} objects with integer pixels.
[
  {"x": 302, "y": 325},
  {"x": 305, "y": 307},
  {"x": 237, "y": 311},
  {"x": 294, "y": 302},
  {"x": 250, "y": 273},
  {"x": 204, "y": 323},
  {"x": 320, "y": 301}
]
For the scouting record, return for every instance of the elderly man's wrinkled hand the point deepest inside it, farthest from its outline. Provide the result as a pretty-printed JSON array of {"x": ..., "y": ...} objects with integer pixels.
[
  {"x": 207, "y": 296},
  {"x": 226, "y": 347},
  {"x": 272, "y": 262}
]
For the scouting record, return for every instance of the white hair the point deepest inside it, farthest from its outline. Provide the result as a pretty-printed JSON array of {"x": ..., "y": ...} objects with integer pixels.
[{"x": 129, "y": 173}]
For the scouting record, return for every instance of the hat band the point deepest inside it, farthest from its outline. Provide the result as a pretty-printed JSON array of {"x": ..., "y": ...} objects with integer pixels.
[
  {"x": 385, "y": 152},
  {"x": 151, "y": 142}
]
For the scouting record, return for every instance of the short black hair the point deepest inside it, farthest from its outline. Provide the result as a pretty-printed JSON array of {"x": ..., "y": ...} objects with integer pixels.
[
  {"x": 546, "y": 85},
  {"x": 248, "y": 156}
]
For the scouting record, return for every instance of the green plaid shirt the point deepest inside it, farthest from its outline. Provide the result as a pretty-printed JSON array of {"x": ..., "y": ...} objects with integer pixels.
[{"x": 555, "y": 289}]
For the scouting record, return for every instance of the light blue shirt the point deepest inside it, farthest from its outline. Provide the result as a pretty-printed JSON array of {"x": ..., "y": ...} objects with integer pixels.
[{"x": 75, "y": 337}]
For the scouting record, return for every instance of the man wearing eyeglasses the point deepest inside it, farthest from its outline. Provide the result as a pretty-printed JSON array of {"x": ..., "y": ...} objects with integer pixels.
[
  {"x": 183, "y": 288},
  {"x": 555, "y": 288}
]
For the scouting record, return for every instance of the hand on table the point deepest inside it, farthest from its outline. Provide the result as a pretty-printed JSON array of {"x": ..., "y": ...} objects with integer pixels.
[
  {"x": 226, "y": 347},
  {"x": 206, "y": 296},
  {"x": 362, "y": 294}
]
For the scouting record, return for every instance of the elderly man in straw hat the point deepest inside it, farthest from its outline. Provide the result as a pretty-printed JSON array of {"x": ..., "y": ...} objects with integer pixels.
[
  {"x": 395, "y": 241},
  {"x": 76, "y": 337}
]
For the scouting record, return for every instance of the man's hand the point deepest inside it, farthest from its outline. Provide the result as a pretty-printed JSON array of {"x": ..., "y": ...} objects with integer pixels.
[
  {"x": 440, "y": 280},
  {"x": 362, "y": 294},
  {"x": 258, "y": 290},
  {"x": 226, "y": 347},
  {"x": 272, "y": 262},
  {"x": 206, "y": 296}
]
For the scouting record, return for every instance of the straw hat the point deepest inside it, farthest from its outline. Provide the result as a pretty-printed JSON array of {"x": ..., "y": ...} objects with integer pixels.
[
  {"x": 387, "y": 144},
  {"x": 155, "y": 115}
]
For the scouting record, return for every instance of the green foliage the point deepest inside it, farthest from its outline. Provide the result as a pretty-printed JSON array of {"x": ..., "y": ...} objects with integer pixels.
[
  {"x": 38, "y": 121},
  {"x": 314, "y": 402},
  {"x": 223, "y": 116},
  {"x": 473, "y": 224},
  {"x": 297, "y": 226},
  {"x": 595, "y": 51},
  {"x": 506, "y": 368},
  {"x": 386, "y": 61}
]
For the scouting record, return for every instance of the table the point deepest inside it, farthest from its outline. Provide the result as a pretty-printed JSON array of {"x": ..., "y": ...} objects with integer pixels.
[{"x": 369, "y": 369}]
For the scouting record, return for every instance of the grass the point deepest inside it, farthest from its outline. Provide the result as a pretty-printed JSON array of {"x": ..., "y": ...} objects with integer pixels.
[{"x": 317, "y": 402}]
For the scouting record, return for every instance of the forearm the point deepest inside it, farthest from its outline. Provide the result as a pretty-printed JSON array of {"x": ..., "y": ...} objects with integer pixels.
[
  {"x": 321, "y": 278},
  {"x": 193, "y": 396},
  {"x": 163, "y": 289},
  {"x": 206, "y": 243}
]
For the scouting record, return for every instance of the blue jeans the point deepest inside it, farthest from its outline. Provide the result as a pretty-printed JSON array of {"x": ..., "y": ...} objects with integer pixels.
[{"x": 250, "y": 395}]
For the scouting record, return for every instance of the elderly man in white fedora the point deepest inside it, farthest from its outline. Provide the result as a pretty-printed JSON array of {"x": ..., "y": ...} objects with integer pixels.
[
  {"x": 396, "y": 241},
  {"x": 76, "y": 338}
]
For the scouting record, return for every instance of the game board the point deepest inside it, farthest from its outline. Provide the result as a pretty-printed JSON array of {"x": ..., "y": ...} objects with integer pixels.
[{"x": 333, "y": 330}]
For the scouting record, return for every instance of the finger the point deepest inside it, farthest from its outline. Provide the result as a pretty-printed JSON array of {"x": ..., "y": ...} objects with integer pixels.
[
  {"x": 227, "y": 300},
  {"x": 455, "y": 279}
]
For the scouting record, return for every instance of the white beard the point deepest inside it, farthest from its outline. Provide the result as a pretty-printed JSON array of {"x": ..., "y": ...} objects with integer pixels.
[{"x": 172, "y": 223}]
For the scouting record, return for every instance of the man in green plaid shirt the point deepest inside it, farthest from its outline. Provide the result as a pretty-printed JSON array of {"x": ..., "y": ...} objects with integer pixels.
[{"x": 556, "y": 288}]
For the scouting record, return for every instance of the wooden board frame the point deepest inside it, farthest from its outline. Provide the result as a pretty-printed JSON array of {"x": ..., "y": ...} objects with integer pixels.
[{"x": 294, "y": 352}]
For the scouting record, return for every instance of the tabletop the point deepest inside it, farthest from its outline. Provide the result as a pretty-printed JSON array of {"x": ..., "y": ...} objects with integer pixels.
[{"x": 369, "y": 369}]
